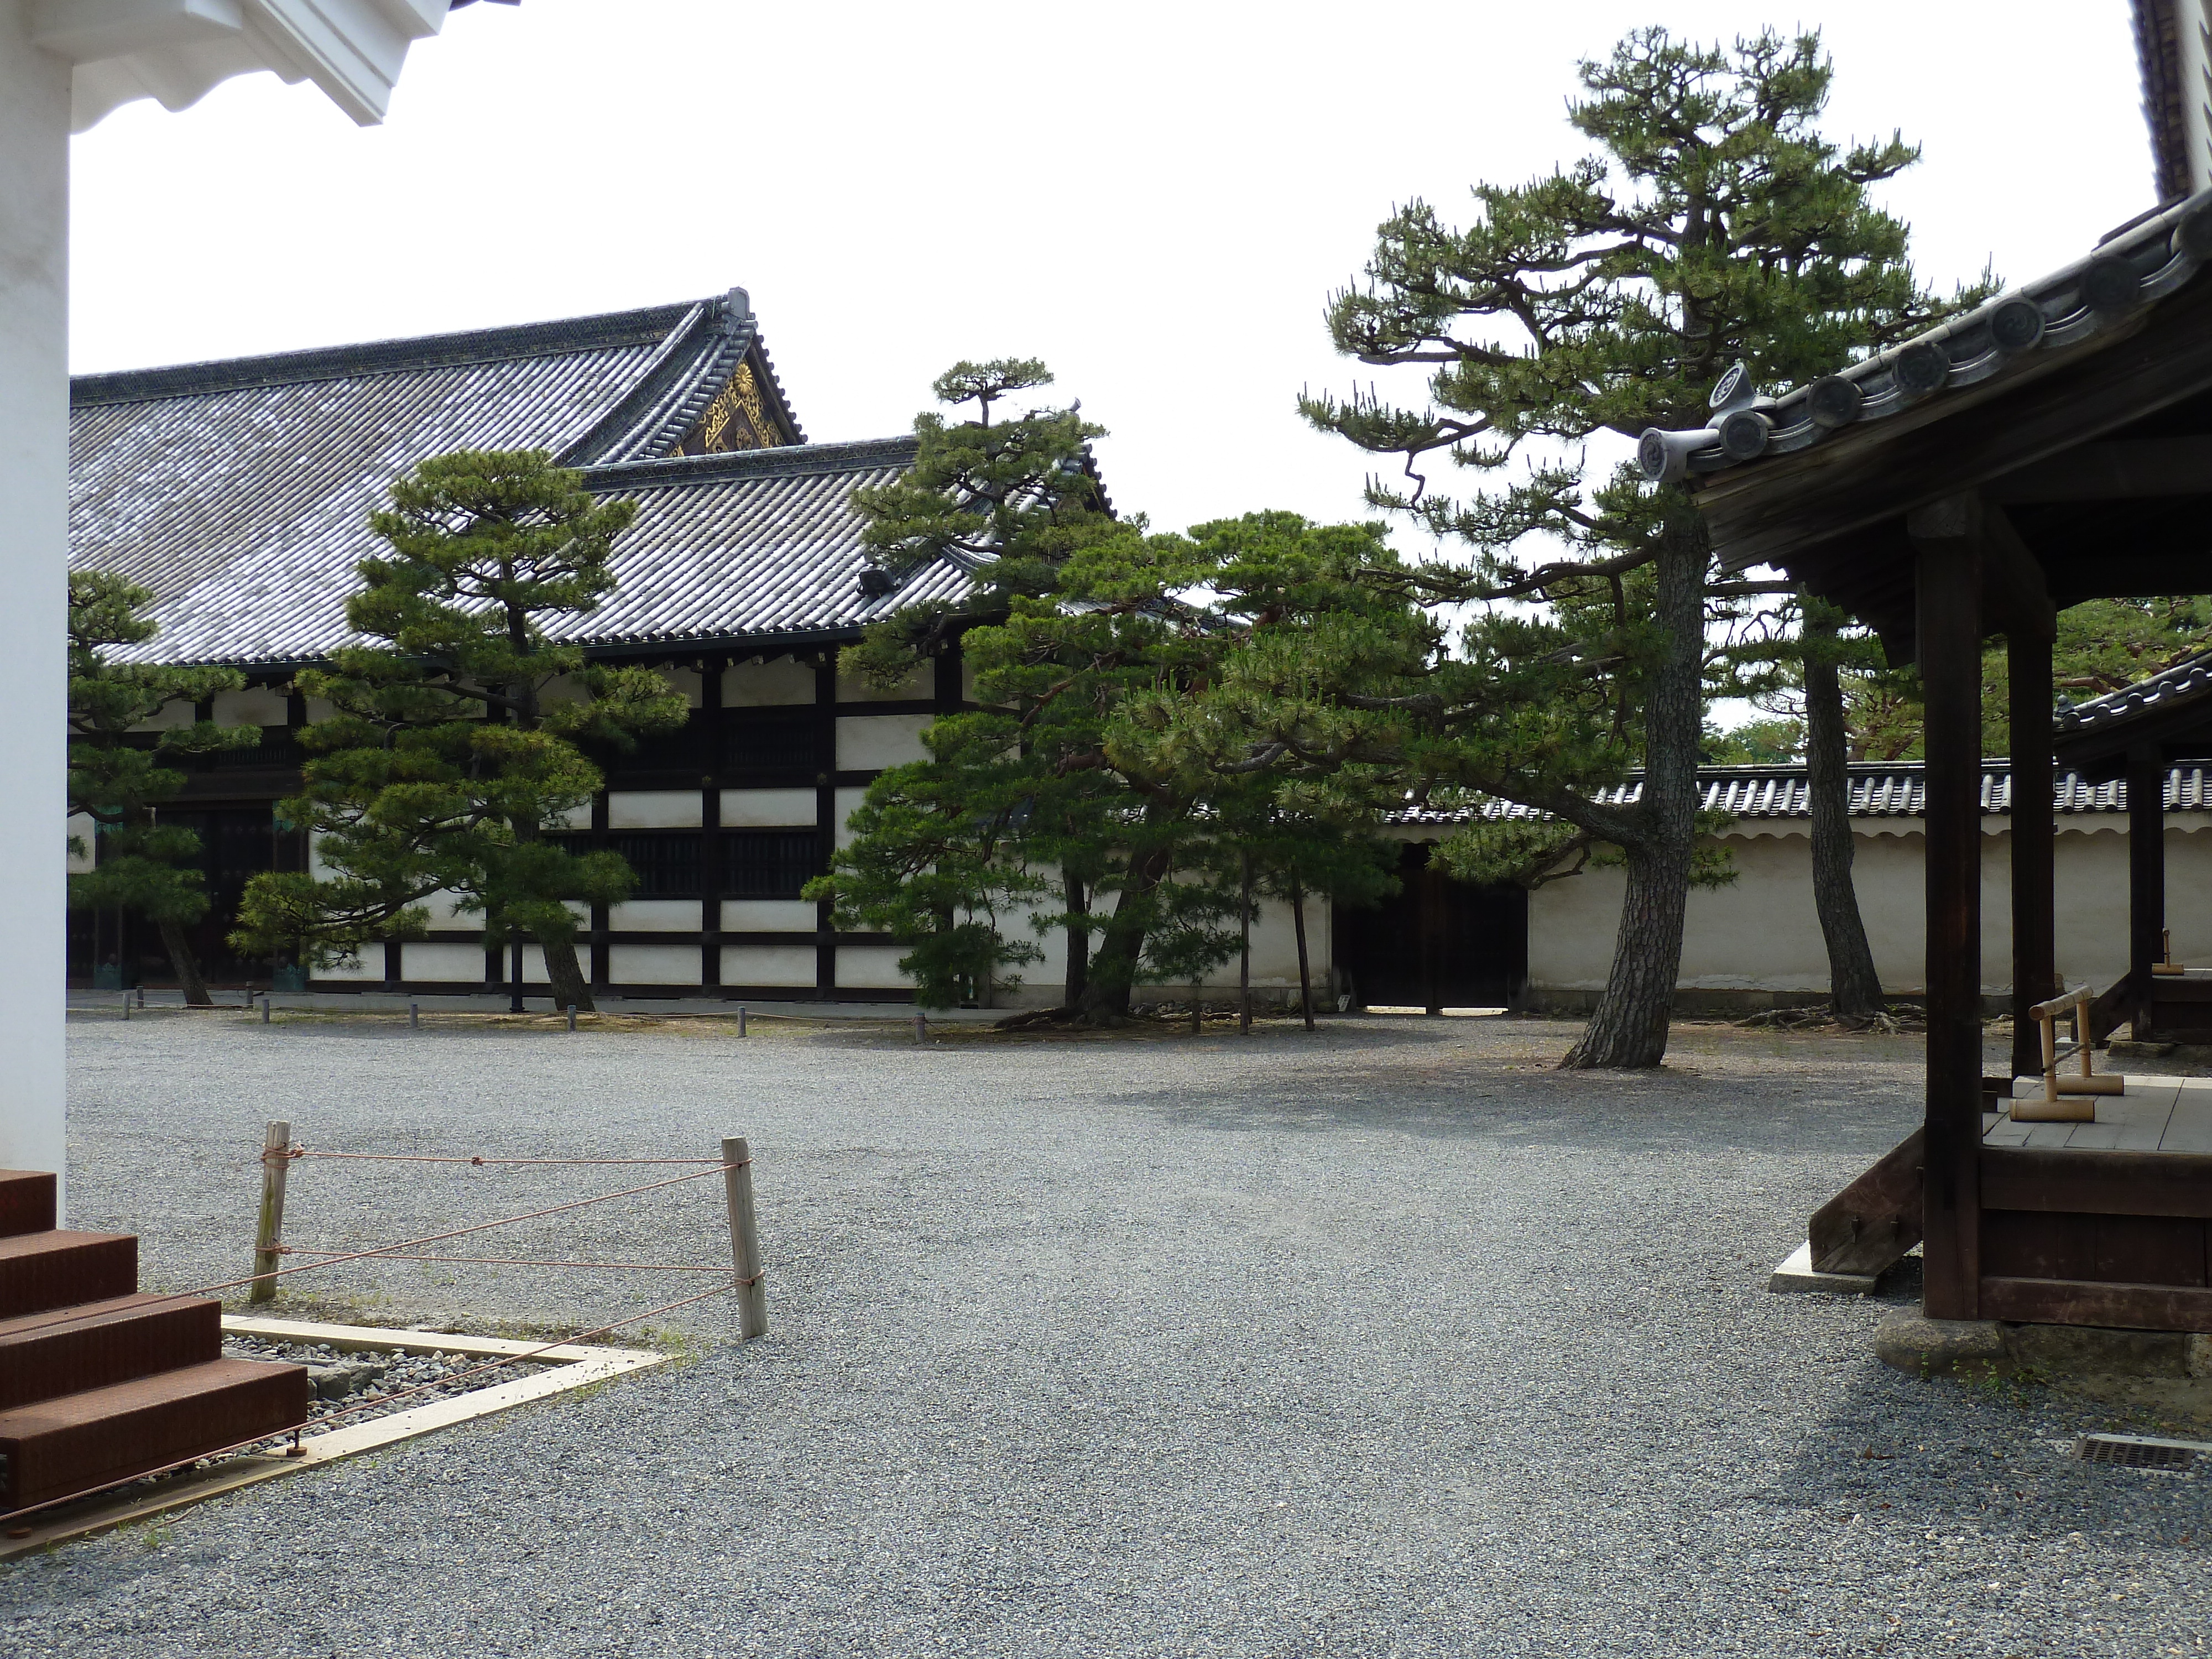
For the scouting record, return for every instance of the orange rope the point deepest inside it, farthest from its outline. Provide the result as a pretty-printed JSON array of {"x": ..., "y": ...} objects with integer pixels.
[
  {"x": 399, "y": 1157},
  {"x": 518, "y": 1261}
]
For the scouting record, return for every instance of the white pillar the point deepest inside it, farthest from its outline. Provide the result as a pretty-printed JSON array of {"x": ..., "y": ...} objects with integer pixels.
[{"x": 34, "y": 125}]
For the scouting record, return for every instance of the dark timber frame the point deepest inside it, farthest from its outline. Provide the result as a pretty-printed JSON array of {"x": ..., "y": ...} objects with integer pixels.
[{"x": 2053, "y": 447}]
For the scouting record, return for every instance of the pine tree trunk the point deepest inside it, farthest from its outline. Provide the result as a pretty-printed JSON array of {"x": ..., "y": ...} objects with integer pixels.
[
  {"x": 1113, "y": 965},
  {"x": 570, "y": 989},
  {"x": 1244, "y": 948},
  {"x": 1079, "y": 940},
  {"x": 1305, "y": 976},
  {"x": 1854, "y": 987},
  {"x": 1629, "y": 1026},
  {"x": 187, "y": 966}
]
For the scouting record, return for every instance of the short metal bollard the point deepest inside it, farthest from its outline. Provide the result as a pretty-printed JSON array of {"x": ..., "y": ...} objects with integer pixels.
[
  {"x": 572, "y": 1016},
  {"x": 921, "y": 1028},
  {"x": 267, "y": 999},
  {"x": 414, "y": 1016},
  {"x": 126, "y": 1006},
  {"x": 142, "y": 996},
  {"x": 741, "y": 1019}
]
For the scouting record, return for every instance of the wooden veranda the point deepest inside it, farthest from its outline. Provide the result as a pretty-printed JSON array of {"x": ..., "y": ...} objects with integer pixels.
[{"x": 2052, "y": 446}]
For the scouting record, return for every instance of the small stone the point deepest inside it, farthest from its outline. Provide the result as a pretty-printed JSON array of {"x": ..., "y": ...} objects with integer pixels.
[{"x": 1912, "y": 1342}]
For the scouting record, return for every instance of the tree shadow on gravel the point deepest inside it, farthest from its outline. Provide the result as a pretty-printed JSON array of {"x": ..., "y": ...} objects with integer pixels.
[{"x": 1815, "y": 1104}]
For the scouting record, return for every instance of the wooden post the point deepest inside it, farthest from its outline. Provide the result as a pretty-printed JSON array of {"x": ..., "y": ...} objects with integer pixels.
[
  {"x": 269, "y": 1233},
  {"x": 2034, "y": 831},
  {"x": 741, "y": 1019},
  {"x": 2146, "y": 875},
  {"x": 744, "y": 1240},
  {"x": 268, "y": 1001},
  {"x": 1947, "y": 536},
  {"x": 572, "y": 1016},
  {"x": 414, "y": 1016}
]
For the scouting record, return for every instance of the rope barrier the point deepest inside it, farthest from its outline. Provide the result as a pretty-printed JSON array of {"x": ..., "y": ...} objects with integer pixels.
[
  {"x": 718, "y": 1168},
  {"x": 520, "y": 1262},
  {"x": 482, "y": 1162}
]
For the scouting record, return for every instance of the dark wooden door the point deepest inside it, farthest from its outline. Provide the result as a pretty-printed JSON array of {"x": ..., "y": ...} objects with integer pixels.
[{"x": 1437, "y": 943}]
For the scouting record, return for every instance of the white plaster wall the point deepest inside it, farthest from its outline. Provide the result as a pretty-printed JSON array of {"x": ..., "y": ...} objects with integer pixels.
[
  {"x": 34, "y": 125},
  {"x": 656, "y": 916},
  {"x": 170, "y": 716},
  {"x": 767, "y": 916},
  {"x": 687, "y": 681},
  {"x": 779, "y": 682},
  {"x": 254, "y": 705},
  {"x": 768, "y": 809},
  {"x": 769, "y": 965},
  {"x": 369, "y": 966},
  {"x": 653, "y": 809},
  {"x": 442, "y": 962},
  {"x": 870, "y": 968},
  {"x": 654, "y": 964},
  {"x": 1763, "y": 934},
  {"x": 577, "y": 817},
  {"x": 849, "y": 802},
  {"x": 871, "y": 741}
]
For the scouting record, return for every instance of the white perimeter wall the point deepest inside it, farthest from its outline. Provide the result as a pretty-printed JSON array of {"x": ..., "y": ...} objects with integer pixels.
[
  {"x": 34, "y": 124},
  {"x": 1762, "y": 933}
]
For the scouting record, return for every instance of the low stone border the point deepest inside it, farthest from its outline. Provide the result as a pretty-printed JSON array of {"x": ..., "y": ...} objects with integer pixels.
[
  {"x": 568, "y": 1365},
  {"x": 2158, "y": 1369}
]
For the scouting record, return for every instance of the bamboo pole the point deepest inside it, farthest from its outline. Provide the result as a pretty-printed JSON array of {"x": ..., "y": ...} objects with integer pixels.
[
  {"x": 268, "y": 1234},
  {"x": 744, "y": 1239}
]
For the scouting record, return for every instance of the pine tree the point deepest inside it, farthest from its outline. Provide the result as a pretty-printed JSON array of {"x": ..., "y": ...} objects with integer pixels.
[
  {"x": 1716, "y": 226},
  {"x": 453, "y": 758},
  {"x": 141, "y": 864}
]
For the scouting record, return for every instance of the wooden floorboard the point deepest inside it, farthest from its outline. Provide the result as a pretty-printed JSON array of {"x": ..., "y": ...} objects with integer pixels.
[{"x": 2190, "y": 1129}]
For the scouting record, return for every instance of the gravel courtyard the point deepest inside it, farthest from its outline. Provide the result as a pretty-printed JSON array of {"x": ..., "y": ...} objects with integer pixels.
[{"x": 1386, "y": 1340}]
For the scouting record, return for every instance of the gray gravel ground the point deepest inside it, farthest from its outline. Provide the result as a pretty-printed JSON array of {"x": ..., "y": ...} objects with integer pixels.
[{"x": 1389, "y": 1341}]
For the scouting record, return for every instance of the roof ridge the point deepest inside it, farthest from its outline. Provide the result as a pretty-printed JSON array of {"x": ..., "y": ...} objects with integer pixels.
[
  {"x": 781, "y": 461},
  {"x": 641, "y": 326}
]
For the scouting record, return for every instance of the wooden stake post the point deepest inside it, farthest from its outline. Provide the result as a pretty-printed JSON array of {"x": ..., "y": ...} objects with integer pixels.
[
  {"x": 744, "y": 1240},
  {"x": 275, "y": 1163}
]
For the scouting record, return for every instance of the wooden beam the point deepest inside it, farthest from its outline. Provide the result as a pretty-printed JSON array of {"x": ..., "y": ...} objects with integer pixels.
[
  {"x": 2069, "y": 1180},
  {"x": 2086, "y": 1302},
  {"x": 1872, "y": 1222},
  {"x": 2122, "y": 470},
  {"x": 2033, "y": 839},
  {"x": 1947, "y": 536},
  {"x": 2013, "y": 594}
]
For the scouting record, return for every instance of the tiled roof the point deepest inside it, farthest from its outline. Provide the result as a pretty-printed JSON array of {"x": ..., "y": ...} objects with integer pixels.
[
  {"x": 2174, "y": 688},
  {"x": 746, "y": 546},
  {"x": 1886, "y": 789},
  {"x": 2135, "y": 267},
  {"x": 2166, "y": 93}
]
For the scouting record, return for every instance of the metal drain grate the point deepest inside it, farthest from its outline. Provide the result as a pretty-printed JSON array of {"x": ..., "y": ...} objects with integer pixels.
[{"x": 2135, "y": 1451}]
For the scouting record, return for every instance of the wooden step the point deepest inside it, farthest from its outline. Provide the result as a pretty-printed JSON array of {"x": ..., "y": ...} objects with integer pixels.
[
  {"x": 43, "y": 1356},
  {"x": 82, "y": 1442},
  {"x": 39, "y": 1271},
  {"x": 1868, "y": 1226},
  {"x": 27, "y": 1202}
]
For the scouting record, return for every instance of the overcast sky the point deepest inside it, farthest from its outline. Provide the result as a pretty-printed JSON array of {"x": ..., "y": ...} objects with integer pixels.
[{"x": 1155, "y": 199}]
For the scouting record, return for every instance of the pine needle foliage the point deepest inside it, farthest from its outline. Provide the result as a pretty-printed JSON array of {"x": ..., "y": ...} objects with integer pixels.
[
  {"x": 454, "y": 755},
  {"x": 120, "y": 780}
]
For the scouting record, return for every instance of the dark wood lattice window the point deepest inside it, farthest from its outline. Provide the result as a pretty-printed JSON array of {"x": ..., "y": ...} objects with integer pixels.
[
  {"x": 768, "y": 741},
  {"x": 667, "y": 866},
  {"x": 766, "y": 863}
]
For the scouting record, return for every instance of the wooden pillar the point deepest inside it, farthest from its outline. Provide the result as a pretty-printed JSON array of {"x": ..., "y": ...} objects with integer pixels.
[
  {"x": 1947, "y": 536},
  {"x": 2034, "y": 831},
  {"x": 2146, "y": 874},
  {"x": 825, "y": 820},
  {"x": 711, "y": 671}
]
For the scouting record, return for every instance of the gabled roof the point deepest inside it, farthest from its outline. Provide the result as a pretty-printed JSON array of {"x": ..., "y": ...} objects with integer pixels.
[
  {"x": 2010, "y": 338},
  {"x": 2172, "y": 710},
  {"x": 1879, "y": 789},
  {"x": 752, "y": 547}
]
